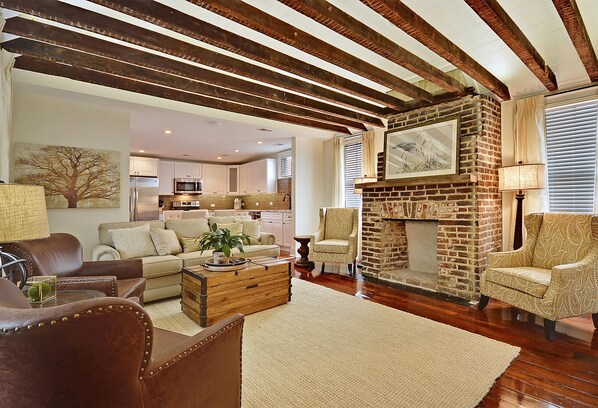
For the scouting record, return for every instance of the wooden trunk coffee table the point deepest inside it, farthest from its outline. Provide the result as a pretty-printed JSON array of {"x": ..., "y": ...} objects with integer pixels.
[{"x": 211, "y": 296}]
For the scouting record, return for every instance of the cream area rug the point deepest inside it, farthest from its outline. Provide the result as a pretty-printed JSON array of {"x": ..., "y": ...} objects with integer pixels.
[{"x": 330, "y": 349}]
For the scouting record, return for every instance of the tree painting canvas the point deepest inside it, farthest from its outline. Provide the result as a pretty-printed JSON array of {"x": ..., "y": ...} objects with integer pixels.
[
  {"x": 425, "y": 150},
  {"x": 72, "y": 177}
]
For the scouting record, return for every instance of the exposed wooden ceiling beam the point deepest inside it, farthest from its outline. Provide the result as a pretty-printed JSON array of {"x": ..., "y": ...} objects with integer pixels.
[
  {"x": 500, "y": 22},
  {"x": 404, "y": 18},
  {"x": 350, "y": 27},
  {"x": 113, "y": 81},
  {"x": 164, "y": 16},
  {"x": 65, "y": 38},
  {"x": 271, "y": 26},
  {"x": 576, "y": 28},
  {"x": 105, "y": 65},
  {"x": 99, "y": 24}
]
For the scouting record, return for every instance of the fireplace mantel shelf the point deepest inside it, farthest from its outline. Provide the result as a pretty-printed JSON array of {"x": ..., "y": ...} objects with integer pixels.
[{"x": 420, "y": 181}]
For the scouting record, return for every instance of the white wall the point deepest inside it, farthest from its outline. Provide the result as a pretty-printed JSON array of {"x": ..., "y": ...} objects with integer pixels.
[
  {"x": 44, "y": 119},
  {"x": 309, "y": 184}
]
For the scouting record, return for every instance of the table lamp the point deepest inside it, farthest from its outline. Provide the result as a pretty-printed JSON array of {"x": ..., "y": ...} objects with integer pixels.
[
  {"x": 518, "y": 178},
  {"x": 23, "y": 216}
]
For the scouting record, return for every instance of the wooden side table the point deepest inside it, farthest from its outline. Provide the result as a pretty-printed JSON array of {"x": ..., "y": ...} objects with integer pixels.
[{"x": 303, "y": 250}]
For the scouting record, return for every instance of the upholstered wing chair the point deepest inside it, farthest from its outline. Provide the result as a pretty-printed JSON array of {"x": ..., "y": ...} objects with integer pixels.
[
  {"x": 553, "y": 275},
  {"x": 105, "y": 352},
  {"x": 62, "y": 255},
  {"x": 337, "y": 237}
]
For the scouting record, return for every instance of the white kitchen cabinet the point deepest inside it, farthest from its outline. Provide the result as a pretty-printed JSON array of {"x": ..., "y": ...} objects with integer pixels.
[
  {"x": 258, "y": 177},
  {"x": 245, "y": 175},
  {"x": 232, "y": 180},
  {"x": 188, "y": 170},
  {"x": 214, "y": 179},
  {"x": 143, "y": 166},
  {"x": 272, "y": 223},
  {"x": 288, "y": 230},
  {"x": 264, "y": 176},
  {"x": 166, "y": 177}
]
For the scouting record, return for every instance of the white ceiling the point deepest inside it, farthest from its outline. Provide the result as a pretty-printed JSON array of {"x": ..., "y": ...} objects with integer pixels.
[{"x": 193, "y": 135}]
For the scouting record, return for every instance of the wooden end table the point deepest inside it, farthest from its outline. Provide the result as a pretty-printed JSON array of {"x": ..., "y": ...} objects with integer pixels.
[
  {"x": 208, "y": 297},
  {"x": 303, "y": 250}
]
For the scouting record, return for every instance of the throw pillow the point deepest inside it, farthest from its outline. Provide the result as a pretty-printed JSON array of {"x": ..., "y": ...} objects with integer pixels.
[
  {"x": 165, "y": 241},
  {"x": 190, "y": 244},
  {"x": 133, "y": 242},
  {"x": 234, "y": 229},
  {"x": 252, "y": 228}
]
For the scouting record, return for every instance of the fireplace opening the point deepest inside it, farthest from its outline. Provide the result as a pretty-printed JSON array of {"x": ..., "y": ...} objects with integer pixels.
[{"x": 418, "y": 256}]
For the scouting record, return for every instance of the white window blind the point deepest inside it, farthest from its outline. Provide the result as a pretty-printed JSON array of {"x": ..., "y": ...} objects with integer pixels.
[
  {"x": 352, "y": 171},
  {"x": 571, "y": 156},
  {"x": 285, "y": 165}
]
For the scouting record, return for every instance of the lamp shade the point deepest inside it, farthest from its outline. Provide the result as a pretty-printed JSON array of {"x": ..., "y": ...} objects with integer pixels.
[
  {"x": 521, "y": 177},
  {"x": 362, "y": 180},
  {"x": 23, "y": 214}
]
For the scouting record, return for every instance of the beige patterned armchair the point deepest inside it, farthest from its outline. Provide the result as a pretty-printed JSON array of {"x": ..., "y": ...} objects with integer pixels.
[
  {"x": 554, "y": 274},
  {"x": 336, "y": 238}
]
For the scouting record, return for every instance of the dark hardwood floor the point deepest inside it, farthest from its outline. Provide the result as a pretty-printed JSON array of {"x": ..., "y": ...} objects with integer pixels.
[{"x": 562, "y": 373}]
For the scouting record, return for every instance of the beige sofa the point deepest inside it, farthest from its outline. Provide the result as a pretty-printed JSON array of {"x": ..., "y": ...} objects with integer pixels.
[{"x": 163, "y": 272}]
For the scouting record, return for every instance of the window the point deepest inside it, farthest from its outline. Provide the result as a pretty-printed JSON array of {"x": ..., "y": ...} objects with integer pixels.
[
  {"x": 285, "y": 164},
  {"x": 352, "y": 170},
  {"x": 571, "y": 156}
]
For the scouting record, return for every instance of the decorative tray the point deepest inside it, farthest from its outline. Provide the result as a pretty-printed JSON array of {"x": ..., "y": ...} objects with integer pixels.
[{"x": 234, "y": 264}]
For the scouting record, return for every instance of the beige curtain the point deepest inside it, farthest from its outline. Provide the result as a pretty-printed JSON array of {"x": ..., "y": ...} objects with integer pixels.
[
  {"x": 368, "y": 154},
  {"x": 529, "y": 139},
  {"x": 7, "y": 61},
  {"x": 338, "y": 183}
]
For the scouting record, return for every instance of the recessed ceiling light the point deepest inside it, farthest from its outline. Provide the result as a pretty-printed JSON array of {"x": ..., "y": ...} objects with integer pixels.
[
  {"x": 141, "y": 151},
  {"x": 265, "y": 130},
  {"x": 237, "y": 150},
  {"x": 168, "y": 132},
  {"x": 214, "y": 122},
  {"x": 259, "y": 142},
  {"x": 219, "y": 157}
]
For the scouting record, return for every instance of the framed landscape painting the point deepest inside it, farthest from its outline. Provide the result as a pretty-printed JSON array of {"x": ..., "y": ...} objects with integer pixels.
[
  {"x": 430, "y": 149},
  {"x": 72, "y": 177}
]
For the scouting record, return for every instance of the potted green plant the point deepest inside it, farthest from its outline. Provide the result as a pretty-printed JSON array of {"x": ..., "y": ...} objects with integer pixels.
[{"x": 222, "y": 242}]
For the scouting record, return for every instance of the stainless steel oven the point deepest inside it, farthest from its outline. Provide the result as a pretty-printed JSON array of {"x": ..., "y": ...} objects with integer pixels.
[{"x": 188, "y": 186}]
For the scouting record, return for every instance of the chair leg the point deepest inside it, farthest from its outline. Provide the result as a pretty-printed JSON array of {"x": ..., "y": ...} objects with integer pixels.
[
  {"x": 354, "y": 267},
  {"x": 549, "y": 329},
  {"x": 595, "y": 319},
  {"x": 322, "y": 270},
  {"x": 483, "y": 302},
  {"x": 350, "y": 268}
]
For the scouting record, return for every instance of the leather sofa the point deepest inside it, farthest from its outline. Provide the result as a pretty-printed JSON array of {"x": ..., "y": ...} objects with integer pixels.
[
  {"x": 61, "y": 254},
  {"x": 105, "y": 352},
  {"x": 163, "y": 272}
]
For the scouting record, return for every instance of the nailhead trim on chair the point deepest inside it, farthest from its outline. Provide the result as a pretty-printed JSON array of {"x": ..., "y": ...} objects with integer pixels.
[
  {"x": 128, "y": 309},
  {"x": 196, "y": 346},
  {"x": 86, "y": 280}
]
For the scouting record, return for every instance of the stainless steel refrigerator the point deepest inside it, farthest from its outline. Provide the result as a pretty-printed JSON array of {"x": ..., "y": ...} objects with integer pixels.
[{"x": 143, "y": 198}]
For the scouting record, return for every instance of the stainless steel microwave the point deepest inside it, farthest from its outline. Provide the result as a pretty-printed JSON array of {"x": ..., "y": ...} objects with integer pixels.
[{"x": 188, "y": 186}]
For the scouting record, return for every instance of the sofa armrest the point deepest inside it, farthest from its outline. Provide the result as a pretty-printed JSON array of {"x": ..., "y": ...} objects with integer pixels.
[
  {"x": 267, "y": 238},
  {"x": 105, "y": 284},
  {"x": 104, "y": 253},
  {"x": 207, "y": 366},
  {"x": 123, "y": 269}
]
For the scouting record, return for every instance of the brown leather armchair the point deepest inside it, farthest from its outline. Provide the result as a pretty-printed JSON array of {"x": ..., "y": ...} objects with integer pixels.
[
  {"x": 105, "y": 352},
  {"x": 62, "y": 255}
]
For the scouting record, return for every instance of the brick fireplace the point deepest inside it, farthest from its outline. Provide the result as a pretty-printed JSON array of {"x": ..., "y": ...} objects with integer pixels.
[{"x": 465, "y": 208}]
